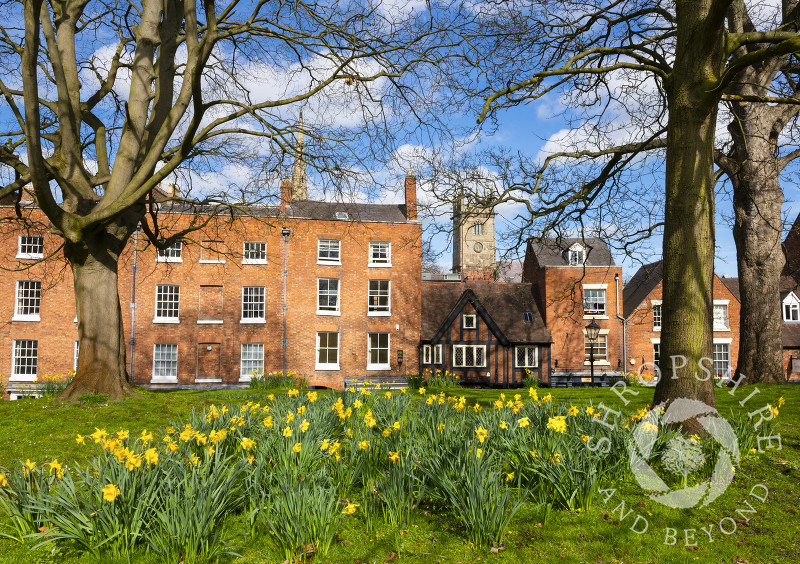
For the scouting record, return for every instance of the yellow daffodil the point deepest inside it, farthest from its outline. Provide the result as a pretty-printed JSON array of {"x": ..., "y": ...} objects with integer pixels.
[
  {"x": 498, "y": 404},
  {"x": 132, "y": 461},
  {"x": 99, "y": 434},
  {"x": 247, "y": 443},
  {"x": 394, "y": 456},
  {"x": 311, "y": 397},
  {"x": 251, "y": 459},
  {"x": 422, "y": 391},
  {"x": 287, "y": 432},
  {"x": 548, "y": 397},
  {"x": 523, "y": 422},
  {"x": 503, "y": 425},
  {"x": 173, "y": 447},
  {"x": 151, "y": 456},
  {"x": 774, "y": 411},
  {"x": 533, "y": 454},
  {"x": 387, "y": 431},
  {"x": 558, "y": 423},
  {"x": 478, "y": 453},
  {"x": 584, "y": 438},
  {"x": 350, "y": 508},
  {"x": 271, "y": 397},
  {"x": 363, "y": 445},
  {"x": 781, "y": 401},
  {"x": 55, "y": 466},
  {"x": 357, "y": 404},
  {"x": 301, "y": 410},
  {"x": 268, "y": 422},
  {"x": 573, "y": 411},
  {"x": 111, "y": 492},
  {"x": 648, "y": 427},
  {"x": 146, "y": 437},
  {"x": 122, "y": 435},
  {"x": 532, "y": 393},
  {"x": 3, "y": 481},
  {"x": 325, "y": 444},
  {"x": 294, "y": 392},
  {"x": 304, "y": 426},
  {"x": 481, "y": 433},
  {"x": 28, "y": 466},
  {"x": 195, "y": 460},
  {"x": 296, "y": 448},
  {"x": 589, "y": 410},
  {"x": 80, "y": 439},
  {"x": 396, "y": 425},
  {"x": 289, "y": 417},
  {"x": 509, "y": 476}
]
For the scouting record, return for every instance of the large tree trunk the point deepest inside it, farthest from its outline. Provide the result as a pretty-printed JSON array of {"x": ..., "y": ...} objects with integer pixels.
[
  {"x": 686, "y": 335},
  {"x": 101, "y": 360},
  {"x": 757, "y": 202}
]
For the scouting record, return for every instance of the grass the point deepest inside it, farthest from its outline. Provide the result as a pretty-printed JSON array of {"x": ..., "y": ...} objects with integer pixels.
[{"x": 41, "y": 430}]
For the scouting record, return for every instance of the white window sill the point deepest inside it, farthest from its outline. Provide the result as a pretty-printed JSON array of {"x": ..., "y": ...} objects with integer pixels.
[
  {"x": 209, "y": 261},
  {"x": 329, "y": 263},
  {"x": 209, "y": 322},
  {"x": 379, "y": 314},
  {"x": 657, "y": 329},
  {"x": 326, "y": 367},
  {"x": 166, "y": 320},
  {"x": 26, "y": 318},
  {"x": 594, "y": 316},
  {"x": 29, "y": 256},
  {"x": 155, "y": 380},
  {"x": 597, "y": 363},
  {"x": 722, "y": 329},
  {"x": 381, "y": 367},
  {"x": 252, "y": 321},
  {"x": 208, "y": 380},
  {"x": 380, "y": 265},
  {"x": 22, "y": 378},
  {"x": 791, "y": 320},
  {"x": 245, "y": 379},
  {"x": 254, "y": 261},
  {"x": 169, "y": 260},
  {"x": 333, "y": 313}
]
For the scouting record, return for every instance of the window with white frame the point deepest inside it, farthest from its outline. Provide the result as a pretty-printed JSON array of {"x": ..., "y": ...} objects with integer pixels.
[
  {"x": 327, "y": 296},
  {"x": 30, "y": 247},
  {"x": 656, "y": 353},
  {"x": 165, "y": 362},
  {"x": 469, "y": 356},
  {"x": 600, "y": 348},
  {"x": 328, "y": 251},
  {"x": 721, "y": 316},
  {"x": 25, "y": 359},
  {"x": 255, "y": 252},
  {"x": 437, "y": 354},
  {"x": 173, "y": 253},
  {"x": 427, "y": 354},
  {"x": 378, "y": 351},
  {"x": 594, "y": 301},
  {"x": 327, "y": 351},
  {"x": 380, "y": 253},
  {"x": 379, "y": 302},
  {"x": 167, "y": 303},
  {"x": 791, "y": 308},
  {"x": 469, "y": 320},
  {"x": 28, "y": 300},
  {"x": 477, "y": 228},
  {"x": 573, "y": 257},
  {"x": 252, "y": 304},
  {"x": 722, "y": 359},
  {"x": 76, "y": 350},
  {"x": 527, "y": 357},
  {"x": 657, "y": 316},
  {"x": 252, "y": 360}
]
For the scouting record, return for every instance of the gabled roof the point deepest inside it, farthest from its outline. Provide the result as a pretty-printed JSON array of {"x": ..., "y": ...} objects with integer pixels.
[
  {"x": 501, "y": 305},
  {"x": 732, "y": 284},
  {"x": 549, "y": 251},
  {"x": 639, "y": 287}
]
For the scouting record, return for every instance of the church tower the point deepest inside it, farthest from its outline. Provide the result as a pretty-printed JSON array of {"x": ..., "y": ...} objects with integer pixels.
[{"x": 473, "y": 241}]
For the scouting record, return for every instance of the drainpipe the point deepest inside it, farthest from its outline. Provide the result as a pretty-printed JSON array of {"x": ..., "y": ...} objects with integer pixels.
[
  {"x": 285, "y": 232},
  {"x": 132, "y": 340},
  {"x": 624, "y": 327}
]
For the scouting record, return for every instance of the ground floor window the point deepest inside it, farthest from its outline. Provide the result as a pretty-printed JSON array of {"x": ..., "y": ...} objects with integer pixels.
[
  {"x": 431, "y": 354},
  {"x": 252, "y": 360},
  {"x": 25, "y": 359},
  {"x": 722, "y": 359},
  {"x": 327, "y": 351},
  {"x": 165, "y": 361},
  {"x": 656, "y": 353},
  {"x": 527, "y": 357},
  {"x": 600, "y": 348},
  {"x": 378, "y": 351},
  {"x": 469, "y": 356}
]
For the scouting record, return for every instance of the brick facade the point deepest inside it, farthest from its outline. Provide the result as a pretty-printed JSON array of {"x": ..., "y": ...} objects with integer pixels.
[
  {"x": 642, "y": 334},
  {"x": 209, "y": 330}
]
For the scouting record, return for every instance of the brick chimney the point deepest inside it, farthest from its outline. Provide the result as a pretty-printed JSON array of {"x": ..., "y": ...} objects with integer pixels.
[
  {"x": 286, "y": 194},
  {"x": 411, "y": 196}
]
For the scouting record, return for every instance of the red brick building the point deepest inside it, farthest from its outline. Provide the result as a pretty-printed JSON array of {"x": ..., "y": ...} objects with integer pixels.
[
  {"x": 575, "y": 282},
  {"x": 643, "y": 302},
  {"x": 210, "y": 309}
]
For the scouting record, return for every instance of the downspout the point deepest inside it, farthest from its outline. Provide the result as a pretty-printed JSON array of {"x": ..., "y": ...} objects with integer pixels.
[
  {"x": 624, "y": 327},
  {"x": 285, "y": 342},
  {"x": 132, "y": 340}
]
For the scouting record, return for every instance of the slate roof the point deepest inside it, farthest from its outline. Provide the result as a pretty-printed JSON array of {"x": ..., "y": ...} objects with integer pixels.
[
  {"x": 639, "y": 287},
  {"x": 309, "y": 209},
  {"x": 505, "y": 304},
  {"x": 732, "y": 284},
  {"x": 549, "y": 251}
]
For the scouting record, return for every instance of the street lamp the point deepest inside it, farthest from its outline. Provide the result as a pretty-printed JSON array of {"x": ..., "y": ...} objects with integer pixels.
[
  {"x": 285, "y": 233},
  {"x": 592, "y": 332}
]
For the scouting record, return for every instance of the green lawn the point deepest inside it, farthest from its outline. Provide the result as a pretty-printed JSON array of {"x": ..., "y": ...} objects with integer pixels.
[{"x": 40, "y": 430}]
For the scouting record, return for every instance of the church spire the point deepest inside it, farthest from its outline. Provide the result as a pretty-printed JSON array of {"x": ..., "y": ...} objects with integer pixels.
[{"x": 299, "y": 184}]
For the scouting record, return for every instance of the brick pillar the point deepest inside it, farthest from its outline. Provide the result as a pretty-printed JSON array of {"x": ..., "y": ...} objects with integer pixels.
[
  {"x": 286, "y": 194},
  {"x": 411, "y": 196}
]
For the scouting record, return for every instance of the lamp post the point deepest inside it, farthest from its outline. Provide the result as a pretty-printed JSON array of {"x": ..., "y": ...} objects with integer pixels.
[
  {"x": 285, "y": 233},
  {"x": 592, "y": 332}
]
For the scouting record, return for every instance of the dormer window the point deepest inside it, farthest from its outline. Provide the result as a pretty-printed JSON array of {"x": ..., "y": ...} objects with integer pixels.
[
  {"x": 791, "y": 308},
  {"x": 574, "y": 256}
]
